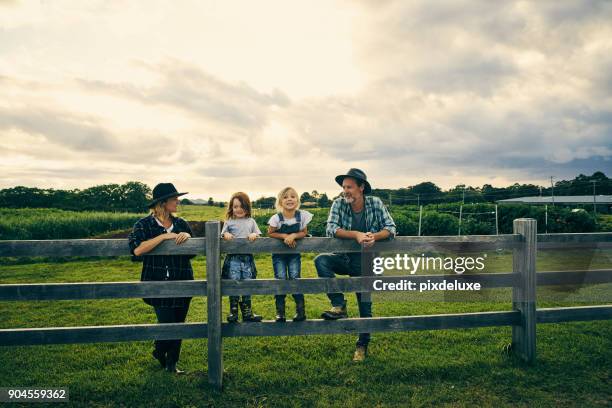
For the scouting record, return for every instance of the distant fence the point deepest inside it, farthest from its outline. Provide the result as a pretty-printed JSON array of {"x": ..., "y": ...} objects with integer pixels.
[{"x": 523, "y": 279}]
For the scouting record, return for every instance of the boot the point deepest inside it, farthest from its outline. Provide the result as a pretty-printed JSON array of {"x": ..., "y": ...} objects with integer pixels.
[
  {"x": 160, "y": 356},
  {"x": 300, "y": 308},
  {"x": 280, "y": 308},
  {"x": 360, "y": 354},
  {"x": 247, "y": 313},
  {"x": 233, "y": 316},
  {"x": 335, "y": 313},
  {"x": 172, "y": 368}
]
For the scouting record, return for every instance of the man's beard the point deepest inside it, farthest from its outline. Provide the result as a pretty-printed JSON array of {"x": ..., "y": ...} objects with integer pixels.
[{"x": 348, "y": 200}]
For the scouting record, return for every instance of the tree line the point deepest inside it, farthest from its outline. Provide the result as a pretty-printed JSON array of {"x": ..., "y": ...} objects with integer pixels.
[{"x": 133, "y": 196}]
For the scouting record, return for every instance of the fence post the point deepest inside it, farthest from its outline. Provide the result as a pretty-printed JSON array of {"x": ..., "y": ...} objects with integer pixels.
[
  {"x": 524, "y": 291},
  {"x": 420, "y": 218},
  {"x": 213, "y": 300}
]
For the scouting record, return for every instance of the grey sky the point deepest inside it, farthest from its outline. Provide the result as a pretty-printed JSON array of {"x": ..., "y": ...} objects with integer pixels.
[{"x": 225, "y": 96}]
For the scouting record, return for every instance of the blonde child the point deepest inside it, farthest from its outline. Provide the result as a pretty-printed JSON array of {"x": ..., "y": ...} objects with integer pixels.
[
  {"x": 239, "y": 224},
  {"x": 289, "y": 225}
]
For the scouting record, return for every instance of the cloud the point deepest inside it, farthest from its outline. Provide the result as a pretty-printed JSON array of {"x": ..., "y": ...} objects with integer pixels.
[
  {"x": 63, "y": 128},
  {"x": 453, "y": 92},
  {"x": 190, "y": 89}
]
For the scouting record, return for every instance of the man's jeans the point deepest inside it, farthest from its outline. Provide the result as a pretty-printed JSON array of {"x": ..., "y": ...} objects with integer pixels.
[{"x": 328, "y": 265}]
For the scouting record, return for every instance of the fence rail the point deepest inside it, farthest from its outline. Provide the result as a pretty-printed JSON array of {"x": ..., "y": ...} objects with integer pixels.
[{"x": 523, "y": 280}]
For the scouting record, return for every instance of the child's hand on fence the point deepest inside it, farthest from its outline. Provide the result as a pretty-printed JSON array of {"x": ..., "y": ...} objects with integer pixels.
[
  {"x": 252, "y": 236},
  {"x": 227, "y": 236},
  {"x": 290, "y": 240},
  {"x": 182, "y": 237}
]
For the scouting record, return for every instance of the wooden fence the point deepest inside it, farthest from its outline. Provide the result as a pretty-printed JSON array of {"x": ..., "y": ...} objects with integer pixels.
[{"x": 523, "y": 279}]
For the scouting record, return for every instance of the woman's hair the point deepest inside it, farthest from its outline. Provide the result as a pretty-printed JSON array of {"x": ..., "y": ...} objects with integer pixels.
[
  {"x": 245, "y": 203},
  {"x": 159, "y": 211},
  {"x": 282, "y": 194}
]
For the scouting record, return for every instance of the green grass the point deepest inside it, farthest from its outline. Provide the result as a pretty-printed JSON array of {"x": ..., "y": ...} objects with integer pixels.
[
  {"x": 429, "y": 368},
  {"x": 49, "y": 223}
]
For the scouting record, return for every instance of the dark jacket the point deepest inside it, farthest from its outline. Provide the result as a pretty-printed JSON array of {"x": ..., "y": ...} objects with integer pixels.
[{"x": 162, "y": 267}]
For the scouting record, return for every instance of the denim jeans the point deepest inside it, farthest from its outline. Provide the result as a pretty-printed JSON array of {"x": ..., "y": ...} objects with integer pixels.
[
  {"x": 328, "y": 265},
  {"x": 288, "y": 266},
  {"x": 240, "y": 269},
  {"x": 172, "y": 348}
]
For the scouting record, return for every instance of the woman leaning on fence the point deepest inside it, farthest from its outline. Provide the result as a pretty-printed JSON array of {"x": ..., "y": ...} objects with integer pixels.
[{"x": 160, "y": 225}]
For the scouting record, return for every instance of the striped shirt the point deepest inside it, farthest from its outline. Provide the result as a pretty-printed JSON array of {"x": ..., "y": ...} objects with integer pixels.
[{"x": 162, "y": 267}]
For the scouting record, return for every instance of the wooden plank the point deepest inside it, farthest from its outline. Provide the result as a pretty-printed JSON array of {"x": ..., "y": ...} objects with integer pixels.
[
  {"x": 116, "y": 290},
  {"x": 214, "y": 305},
  {"x": 524, "y": 293},
  {"x": 547, "y": 246},
  {"x": 571, "y": 314},
  {"x": 464, "y": 243},
  {"x": 102, "y": 290},
  {"x": 373, "y": 324},
  {"x": 102, "y": 334},
  {"x": 575, "y": 240},
  {"x": 356, "y": 284},
  {"x": 592, "y": 276},
  {"x": 94, "y": 247},
  {"x": 576, "y": 237}
]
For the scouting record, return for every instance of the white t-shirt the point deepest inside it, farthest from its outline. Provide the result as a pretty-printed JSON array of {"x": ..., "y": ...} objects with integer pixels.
[
  {"x": 274, "y": 221},
  {"x": 169, "y": 229}
]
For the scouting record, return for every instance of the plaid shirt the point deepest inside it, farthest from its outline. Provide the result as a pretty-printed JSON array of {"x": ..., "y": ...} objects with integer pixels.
[
  {"x": 376, "y": 214},
  {"x": 162, "y": 267}
]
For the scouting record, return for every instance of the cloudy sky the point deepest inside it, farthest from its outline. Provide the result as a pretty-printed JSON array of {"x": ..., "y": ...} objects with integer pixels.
[{"x": 256, "y": 95}]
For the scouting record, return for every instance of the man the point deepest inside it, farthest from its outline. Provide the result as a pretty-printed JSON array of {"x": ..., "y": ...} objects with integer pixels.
[{"x": 365, "y": 219}]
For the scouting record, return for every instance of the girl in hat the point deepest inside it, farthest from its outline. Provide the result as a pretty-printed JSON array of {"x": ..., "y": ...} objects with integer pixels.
[
  {"x": 239, "y": 224},
  {"x": 289, "y": 225},
  {"x": 160, "y": 225}
]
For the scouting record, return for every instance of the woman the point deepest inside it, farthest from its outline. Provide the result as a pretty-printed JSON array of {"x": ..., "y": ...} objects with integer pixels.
[{"x": 160, "y": 225}]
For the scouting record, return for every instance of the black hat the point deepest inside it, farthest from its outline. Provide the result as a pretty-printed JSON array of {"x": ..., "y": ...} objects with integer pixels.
[
  {"x": 163, "y": 191},
  {"x": 356, "y": 174}
]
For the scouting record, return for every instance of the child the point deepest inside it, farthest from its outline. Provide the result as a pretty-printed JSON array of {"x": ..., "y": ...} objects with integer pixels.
[
  {"x": 239, "y": 224},
  {"x": 289, "y": 224}
]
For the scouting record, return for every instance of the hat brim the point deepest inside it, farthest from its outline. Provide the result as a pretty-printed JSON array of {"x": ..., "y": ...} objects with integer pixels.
[
  {"x": 165, "y": 197},
  {"x": 367, "y": 188}
]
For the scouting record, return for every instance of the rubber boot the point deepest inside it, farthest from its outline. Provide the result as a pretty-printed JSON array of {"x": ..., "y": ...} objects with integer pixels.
[
  {"x": 300, "y": 308},
  {"x": 280, "y": 308},
  {"x": 247, "y": 313},
  {"x": 233, "y": 316}
]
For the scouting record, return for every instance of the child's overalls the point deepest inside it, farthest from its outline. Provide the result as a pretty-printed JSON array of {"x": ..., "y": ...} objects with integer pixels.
[{"x": 288, "y": 266}]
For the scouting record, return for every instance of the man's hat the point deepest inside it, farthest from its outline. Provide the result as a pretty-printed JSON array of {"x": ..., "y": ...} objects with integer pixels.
[
  {"x": 356, "y": 174},
  {"x": 163, "y": 191}
]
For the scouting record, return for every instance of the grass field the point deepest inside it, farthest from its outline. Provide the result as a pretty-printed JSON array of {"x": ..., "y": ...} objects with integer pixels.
[
  {"x": 49, "y": 223},
  {"x": 436, "y": 368}
]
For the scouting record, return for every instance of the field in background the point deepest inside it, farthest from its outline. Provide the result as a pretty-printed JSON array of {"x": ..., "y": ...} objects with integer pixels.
[{"x": 49, "y": 223}]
